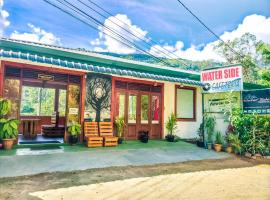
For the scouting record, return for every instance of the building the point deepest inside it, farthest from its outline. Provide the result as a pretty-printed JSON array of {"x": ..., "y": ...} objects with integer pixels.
[{"x": 40, "y": 79}]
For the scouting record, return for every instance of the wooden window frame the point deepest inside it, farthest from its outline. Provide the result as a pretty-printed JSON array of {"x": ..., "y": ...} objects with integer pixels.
[{"x": 194, "y": 89}]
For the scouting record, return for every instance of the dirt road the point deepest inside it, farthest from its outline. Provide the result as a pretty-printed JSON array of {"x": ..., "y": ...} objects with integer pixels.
[
  {"x": 239, "y": 184},
  {"x": 20, "y": 187}
]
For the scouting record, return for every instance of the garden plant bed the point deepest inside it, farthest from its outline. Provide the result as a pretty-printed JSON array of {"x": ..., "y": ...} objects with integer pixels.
[{"x": 45, "y": 181}]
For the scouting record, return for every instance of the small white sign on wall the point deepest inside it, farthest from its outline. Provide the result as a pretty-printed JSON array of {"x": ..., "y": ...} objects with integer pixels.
[{"x": 73, "y": 111}]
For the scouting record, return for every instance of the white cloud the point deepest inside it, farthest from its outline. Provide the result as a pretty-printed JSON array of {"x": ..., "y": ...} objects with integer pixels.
[
  {"x": 257, "y": 25},
  {"x": 111, "y": 45},
  {"x": 36, "y": 34},
  {"x": 3, "y": 18}
]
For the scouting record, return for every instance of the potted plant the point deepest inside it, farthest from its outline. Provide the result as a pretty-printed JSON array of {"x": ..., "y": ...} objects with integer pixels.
[
  {"x": 120, "y": 125},
  {"x": 235, "y": 143},
  {"x": 74, "y": 131},
  {"x": 8, "y": 127},
  {"x": 144, "y": 136},
  {"x": 218, "y": 141},
  {"x": 229, "y": 148},
  {"x": 199, "y": 141},
  {"x": 209, "y": 125},
  {"x": 171, "y": 126}
]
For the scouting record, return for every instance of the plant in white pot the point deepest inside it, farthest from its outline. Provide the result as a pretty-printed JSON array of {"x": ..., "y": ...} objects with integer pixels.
[
  {"x": 171, "y": 126},
  {"x": 8, "y": 127}
]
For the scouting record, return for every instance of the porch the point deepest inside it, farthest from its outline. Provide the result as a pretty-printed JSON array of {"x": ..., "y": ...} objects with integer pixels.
[{"x": 35, "y": 159}]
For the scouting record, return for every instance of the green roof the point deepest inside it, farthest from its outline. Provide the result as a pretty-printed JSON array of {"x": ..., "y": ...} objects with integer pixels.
[{"x": 82, "y": 56}]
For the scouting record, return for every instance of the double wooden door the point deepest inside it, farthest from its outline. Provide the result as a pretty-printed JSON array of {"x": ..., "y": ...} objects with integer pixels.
[{"x": 141, "y": 111}]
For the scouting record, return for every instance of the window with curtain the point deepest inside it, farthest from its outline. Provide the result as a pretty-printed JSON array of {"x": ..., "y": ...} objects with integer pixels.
[{"x": 185, "y": 103}]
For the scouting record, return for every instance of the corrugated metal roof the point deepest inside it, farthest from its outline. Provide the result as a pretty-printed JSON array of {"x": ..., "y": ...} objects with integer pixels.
[
  {"x": 93, "y": 68},
  {"x": 83, "y": 56}
]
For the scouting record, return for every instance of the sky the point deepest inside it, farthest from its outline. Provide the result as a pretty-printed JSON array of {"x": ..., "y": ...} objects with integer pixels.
[{"x": 160, "y": 24}]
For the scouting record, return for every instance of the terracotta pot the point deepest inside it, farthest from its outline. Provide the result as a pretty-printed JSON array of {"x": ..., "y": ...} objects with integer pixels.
[
  {"x": 217, "y": 147},
  {"x": 229, "y": 149},
  {"x": 8, "y": 143},
  {"x": 15, "y": 141}
]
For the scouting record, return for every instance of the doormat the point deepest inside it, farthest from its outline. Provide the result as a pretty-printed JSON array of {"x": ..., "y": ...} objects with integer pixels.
[
  {"x": 41, "y": 142},
  {"x": 38, "y": 148}
]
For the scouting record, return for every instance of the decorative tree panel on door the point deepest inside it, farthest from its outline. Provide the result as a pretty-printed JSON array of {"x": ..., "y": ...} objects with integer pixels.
[
  {"x": 98, "y": 98},
  {"x": 140, "y": 105}
]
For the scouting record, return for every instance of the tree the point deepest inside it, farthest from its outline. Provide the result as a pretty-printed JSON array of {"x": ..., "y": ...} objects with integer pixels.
[
  {"x": 264, "y": 50},
  {"x": 98, "y": 94},
  {"x": 244, "y": 52}
]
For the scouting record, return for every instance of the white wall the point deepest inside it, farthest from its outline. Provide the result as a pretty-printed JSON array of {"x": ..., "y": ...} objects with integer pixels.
[{"x": 184, "y": 129}]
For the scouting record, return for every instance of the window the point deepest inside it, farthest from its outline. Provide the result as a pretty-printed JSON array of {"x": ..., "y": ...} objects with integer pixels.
[
  {"x": 47, "y": 97},
  {"x": 62, "y": 102},
  {"x": 122, "y": 99},
  {"x": 144, "y": 109},
  {"x": 37, "y": 101},
  {"x": 155, "y": 109},
  {"x": 132, "y": 108},
  {"x": 185, "y": 103}
]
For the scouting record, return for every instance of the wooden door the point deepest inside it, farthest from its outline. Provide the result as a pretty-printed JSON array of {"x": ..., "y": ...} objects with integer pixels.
[{"x": 155, "y": 121}]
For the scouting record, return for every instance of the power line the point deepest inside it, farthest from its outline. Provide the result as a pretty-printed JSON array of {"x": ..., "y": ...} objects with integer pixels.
[
  {"x": 122, "y": 28},
  {"x": 152, "y": 42},
  {"x": 210, "y": 30},
  {"x": 99, "y": 23},
  {"x": 90, "y": 25}
]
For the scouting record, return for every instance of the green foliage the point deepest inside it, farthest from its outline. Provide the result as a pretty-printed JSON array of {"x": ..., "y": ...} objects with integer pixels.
[
  {"x": 264, "y": 77},
  {"x": 171, "y": 124},
  {"x": 253, "y": 131},
  {"x": 5, "y": 106},
  {"x": 74, "y": 129},
  {"x": 200, "y": 132},
  {"x": 247, "y": 55},
  {"x": 8, "y": 127},
  {"x": 264, "y": 49},
  {"x": 219, "y": 138},
  {"x": 235, "y": 143},
  {"x": 120, "y": 125},
  {"x": 209, "y": 126}
]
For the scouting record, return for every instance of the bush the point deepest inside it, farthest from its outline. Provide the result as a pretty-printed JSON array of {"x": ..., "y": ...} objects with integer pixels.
[{"x": 252, "y": 130}]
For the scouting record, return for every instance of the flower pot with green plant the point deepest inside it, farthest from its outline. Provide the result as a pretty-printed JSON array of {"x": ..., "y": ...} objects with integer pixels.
[
  {"x": 171, "y": 126},
  {"x": 209, "y": 126},
  {"x": 8, "y": 127},
  {"x": 74, "y": 131},
  {"x": 228, "y": 148},
  {"x": 218, "y": 141},
  {"x": 235, "y": 143},
  {"x": 120, "y": 126}
]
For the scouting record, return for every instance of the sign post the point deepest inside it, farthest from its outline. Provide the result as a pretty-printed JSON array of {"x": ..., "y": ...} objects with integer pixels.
[{"x": 222, "y": 79}]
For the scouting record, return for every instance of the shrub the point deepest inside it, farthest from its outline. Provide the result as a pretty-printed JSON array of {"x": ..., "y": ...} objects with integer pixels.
[{"x": 253, "y": 131}]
